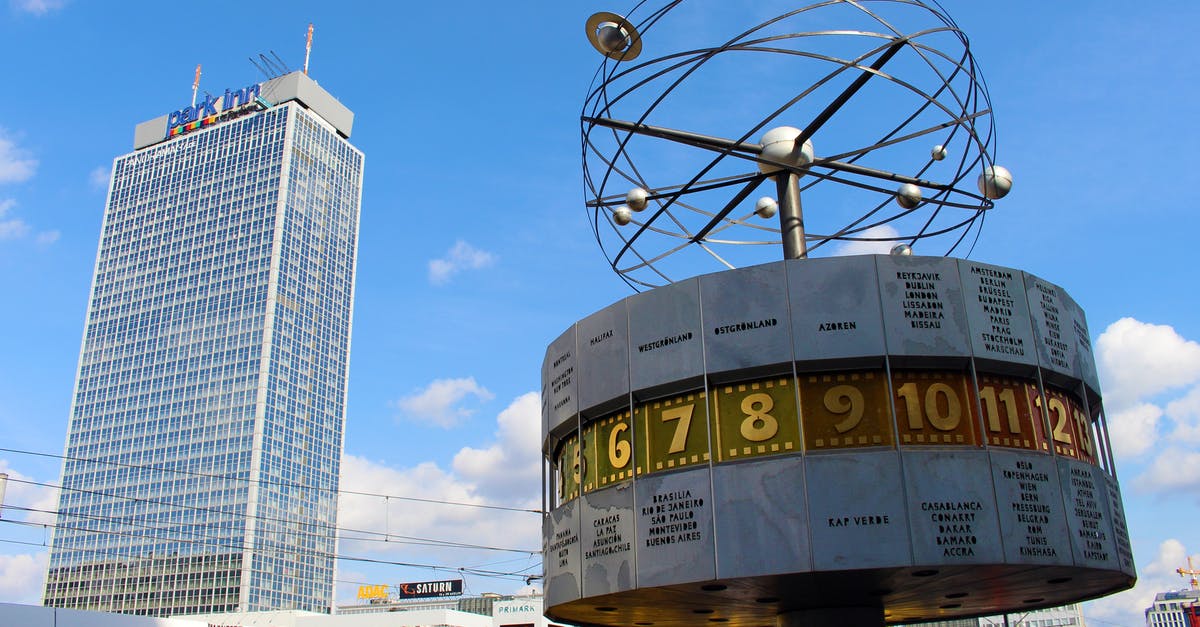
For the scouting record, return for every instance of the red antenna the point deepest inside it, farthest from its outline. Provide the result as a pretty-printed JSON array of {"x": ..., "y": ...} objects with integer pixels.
[
  {"x": 308, "y": 48},
  {"x": 196, "y": 85}
]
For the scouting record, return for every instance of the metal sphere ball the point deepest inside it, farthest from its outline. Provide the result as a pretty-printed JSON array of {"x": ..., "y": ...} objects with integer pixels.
[
  {"x": 902, "y": 250},
  {"x": 779, "y": 145},
  {"x": 908, "y": 196},
  {"x": 622, "y": 215},
  {"x": 939, "y": 152},
  {"x": 611, "y": 38},
  {"x": 636, "y": 198},
  {"x": 995, "y": 182},
  {"x": 766, "y": 207}
]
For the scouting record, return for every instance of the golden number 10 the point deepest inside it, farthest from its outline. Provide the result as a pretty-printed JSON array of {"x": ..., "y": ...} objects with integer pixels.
[{"x": 942, "y": 422}]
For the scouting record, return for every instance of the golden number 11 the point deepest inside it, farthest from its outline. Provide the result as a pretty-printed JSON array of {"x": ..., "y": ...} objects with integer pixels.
[{"x": 987, "y": 394}]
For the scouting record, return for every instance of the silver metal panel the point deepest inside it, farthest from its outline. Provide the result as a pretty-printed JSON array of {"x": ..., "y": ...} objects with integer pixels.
[
  {"x": 150, "y": 132},
  {"x": 952, "y": 508},
  {"x": 922, "y": 303},
  {"x": 1120, "y": 528},
  {"x": 560, "y": 380},
  {"x": 297, "y": 86},
  {"x": 1052, "y": 325},
  {"x": 561, "y": 555},
  {"x": 26, "y": 615},
  {"x": 997, "y": 312},
  {"x": 856, "y": 505},
  {"x": 675, "y": 541},
  {"x": 604, "y": 356},
  {"x": 762, "y": 518},
  {"x": 745, "y": 318},
  {"x": 664, "y": 335},
  {"x": 835, "y": 308},
  {"x": 608, "y": 536},
  {"x": 1085, "y": 359},
  {"x": 1086, "y": 496},
  {"x": 1029, "y": 500}
]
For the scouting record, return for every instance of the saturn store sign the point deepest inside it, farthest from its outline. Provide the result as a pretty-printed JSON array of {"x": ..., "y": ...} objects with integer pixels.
[{"x": 424, "y": 589}]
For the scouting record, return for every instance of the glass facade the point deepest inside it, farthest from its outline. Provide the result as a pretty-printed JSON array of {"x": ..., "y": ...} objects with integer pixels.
[{"x": 205, "y": 436}]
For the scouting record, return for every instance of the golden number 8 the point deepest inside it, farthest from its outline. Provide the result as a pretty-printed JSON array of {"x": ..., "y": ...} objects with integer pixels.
[{"x": 758, "y": 425}]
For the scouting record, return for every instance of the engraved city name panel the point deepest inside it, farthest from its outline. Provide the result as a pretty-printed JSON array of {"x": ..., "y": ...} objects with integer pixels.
[
  {"x": 561, "y": 382},
  {"x": 560, "y": 556},
  {"x": 607, "y": 540},
  {"x": 604, "y": 357},
  {"x": 834, "y": 308},
  {"x": 675, "y": 541},
  {"x": 1086, "y": 496},
  {"x": 761, "y": 518},
  {"x": 952, "y": 507},
  {"x": 856, "y": 509},
  {"x": 997, "y": 314},
  {"x": 745, "y": 316},
  {"x": 1052, "y": 326},
  {"x": 665, "y": 339},
  {"x": 922, "y": 303},
  {"x": 1119, "y": 526},
  {"x": 1033, "y": 522}
]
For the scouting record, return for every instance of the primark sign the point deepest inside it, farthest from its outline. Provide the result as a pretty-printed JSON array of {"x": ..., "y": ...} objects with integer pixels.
[{"x": 232, "y": 104}]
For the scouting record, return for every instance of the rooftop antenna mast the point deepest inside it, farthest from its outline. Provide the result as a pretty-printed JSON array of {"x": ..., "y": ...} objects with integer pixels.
[
  {"x": 308, "y": 48},
  {"x": 196, "y": 85}
]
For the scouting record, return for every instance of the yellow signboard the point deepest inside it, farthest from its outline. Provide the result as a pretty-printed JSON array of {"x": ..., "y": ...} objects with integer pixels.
[{"x": 372, "y": 592}]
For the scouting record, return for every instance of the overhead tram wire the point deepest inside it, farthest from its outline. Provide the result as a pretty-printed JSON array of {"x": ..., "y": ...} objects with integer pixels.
[
  {"x": 265, "y": 482},
  {"x": 261, "y": 545},
  {"x": 318, "y": 527}
]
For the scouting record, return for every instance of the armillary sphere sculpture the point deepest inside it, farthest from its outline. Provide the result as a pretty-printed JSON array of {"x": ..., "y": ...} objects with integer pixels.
[
  {"x": 836, "y": 437},
  {"x": 872, "y": 115}
]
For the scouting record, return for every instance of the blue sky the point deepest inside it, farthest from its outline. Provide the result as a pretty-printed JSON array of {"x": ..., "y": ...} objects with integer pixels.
[{"x": 475, "y": 250}]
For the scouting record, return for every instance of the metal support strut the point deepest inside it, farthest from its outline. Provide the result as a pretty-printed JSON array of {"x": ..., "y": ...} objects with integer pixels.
[{"x": 791, "y": 216}]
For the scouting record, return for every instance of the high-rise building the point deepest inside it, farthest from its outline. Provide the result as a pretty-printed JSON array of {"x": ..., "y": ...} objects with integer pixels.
[
  {"x": 1173, "y": 609},
  {"x": 202, "y": 455}
]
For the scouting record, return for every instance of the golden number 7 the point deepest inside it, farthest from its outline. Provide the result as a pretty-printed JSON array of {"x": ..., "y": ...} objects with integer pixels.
[{"x": 683, "y": 414}]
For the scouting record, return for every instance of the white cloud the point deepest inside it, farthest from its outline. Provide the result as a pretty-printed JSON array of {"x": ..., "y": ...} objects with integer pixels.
[
  {"x": 6, "y": 205},
  {"x": 1173, "y": 469},
  {"x": 440, "y": 402},
  {"x": 37, "y": 504},
  {"x": 15, "y": 228},
  {"x": 462, "y": 256},
  {"x": 99, "y": 176},
  {"x": 1139, "y": 360},
  {"x": 45, "y": 238},
  {"x": 1134, "y": 431},
  {"x": 38, "y": 7},
  {"x": 478, "y": 477},
  {"x": 511, "y": 466},
  {"x": 1159, "y": 575},
  {"x": 15, "y": 163},
  {"x": 22, "y": 577},
  {"x": 883, "y": 231}
]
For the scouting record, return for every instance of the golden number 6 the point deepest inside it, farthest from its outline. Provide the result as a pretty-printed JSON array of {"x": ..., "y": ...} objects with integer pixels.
[
  {"x": 758, "y": 425},
  {"x": 845, "y": 399},
  {"x": 618, "y": 449}
]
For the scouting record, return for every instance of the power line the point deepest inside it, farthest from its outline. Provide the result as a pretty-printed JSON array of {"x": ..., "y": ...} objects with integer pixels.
[
  {"x": 265, "y": 482},
  {"x": 263, "y": 518}
]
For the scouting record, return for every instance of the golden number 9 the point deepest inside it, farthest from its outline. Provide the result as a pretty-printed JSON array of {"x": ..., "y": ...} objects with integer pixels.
[
  {"x": 758, "y": 425},
  {"x": 618, "y": 449},
  {"x": 845, "y": 399}
]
